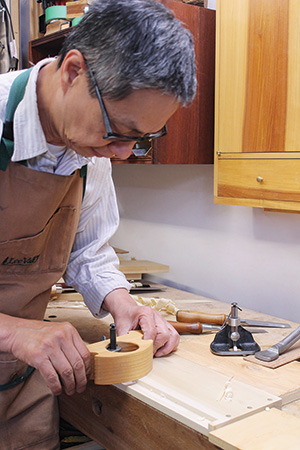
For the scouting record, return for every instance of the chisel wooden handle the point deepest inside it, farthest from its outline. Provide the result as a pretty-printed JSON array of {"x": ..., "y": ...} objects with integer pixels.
[
  {"x": 194, "y": 316},
  {"x": 191, "y": 328}
]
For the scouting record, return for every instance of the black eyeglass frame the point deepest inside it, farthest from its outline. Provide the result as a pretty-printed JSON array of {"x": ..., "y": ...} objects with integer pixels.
[{"x": 110, "y": 135}]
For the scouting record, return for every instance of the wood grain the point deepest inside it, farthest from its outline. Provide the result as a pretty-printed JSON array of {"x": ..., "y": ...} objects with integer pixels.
[
  {"x": 117, "y": 420},
  {"x": 190, "y": 138},
  {"x": 267, "y": 430},
  {"x": 267, "y": 77},
  {"x": 131, "y": 363},
  {"x": 256, "y": 76},
  {"x": 280, "y": 179}
]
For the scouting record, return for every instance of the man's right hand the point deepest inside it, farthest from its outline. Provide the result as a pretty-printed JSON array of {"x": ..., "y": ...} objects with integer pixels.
[{"x": 53, "y": 348}]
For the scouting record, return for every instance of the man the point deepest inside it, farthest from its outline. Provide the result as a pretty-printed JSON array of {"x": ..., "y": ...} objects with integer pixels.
[{"x": 122, "y": 72}]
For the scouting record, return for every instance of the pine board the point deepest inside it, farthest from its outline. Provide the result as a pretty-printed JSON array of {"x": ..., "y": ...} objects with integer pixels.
[
  {"x": 282, "y": 382},
  {"x": 267, "y": 430},
  {"x": 198, "y": 396},
  {"x": 134, "y": 266}
]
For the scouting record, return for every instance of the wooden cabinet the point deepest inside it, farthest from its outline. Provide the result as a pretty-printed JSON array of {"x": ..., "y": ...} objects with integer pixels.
[
  {"x": 257, "y": 135},
  {"x": 190, "y": 138}
]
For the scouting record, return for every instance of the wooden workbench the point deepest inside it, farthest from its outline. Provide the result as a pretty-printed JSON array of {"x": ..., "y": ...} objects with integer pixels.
[{"x": 184, "y": 398}]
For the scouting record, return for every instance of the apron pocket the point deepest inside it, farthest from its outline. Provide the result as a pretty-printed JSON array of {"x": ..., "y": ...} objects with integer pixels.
[{"x": 44, "y": 252}]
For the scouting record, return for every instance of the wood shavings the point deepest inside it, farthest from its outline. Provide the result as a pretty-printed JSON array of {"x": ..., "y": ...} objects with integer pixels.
[
  {"x": 159, "y": 304},
  {"x": 227, "y": 394}
]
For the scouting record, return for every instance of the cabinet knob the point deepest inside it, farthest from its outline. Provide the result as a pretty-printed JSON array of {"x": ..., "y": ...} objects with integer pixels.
[{"x": 259, "y": 179}]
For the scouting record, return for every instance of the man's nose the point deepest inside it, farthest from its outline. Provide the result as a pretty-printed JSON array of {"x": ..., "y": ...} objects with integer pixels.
[{"x": 121, "y": 149}]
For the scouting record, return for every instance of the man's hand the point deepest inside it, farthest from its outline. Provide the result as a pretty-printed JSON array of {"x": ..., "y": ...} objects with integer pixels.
[
  {"x": 55, "y": 349},
  {"x": 130, "y": 316}
]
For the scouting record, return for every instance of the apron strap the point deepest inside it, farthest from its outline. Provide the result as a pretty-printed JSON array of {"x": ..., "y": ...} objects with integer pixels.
[
  {"x": 83, "y": 174},
  {"x": 11, "y": 384},
  {"x": 16, "y": 94}
]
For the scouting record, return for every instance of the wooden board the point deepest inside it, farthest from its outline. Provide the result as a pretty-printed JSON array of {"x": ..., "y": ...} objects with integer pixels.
[
  {"x": 267, "y": 430},
  {"x": 135, "y": 266},
  {"x": 291, "y": 355},
  {"x": 260, "y": 91},
  {"x": 76, "y": 9},
  {"x": 282, "y": 382},
  {"x": 198, "y": 396}
]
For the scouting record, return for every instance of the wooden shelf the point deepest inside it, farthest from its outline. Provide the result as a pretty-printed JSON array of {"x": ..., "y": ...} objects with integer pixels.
[
  {"x": 190, "y": 138},
  {"x": 47, "y": 46}
]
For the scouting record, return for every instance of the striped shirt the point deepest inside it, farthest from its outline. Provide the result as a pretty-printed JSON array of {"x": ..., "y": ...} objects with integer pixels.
[{"x": 93, "y": 265}]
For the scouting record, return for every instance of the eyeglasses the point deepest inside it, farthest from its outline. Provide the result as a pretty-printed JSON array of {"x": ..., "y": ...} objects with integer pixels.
[{"x": 110, "y": 135}]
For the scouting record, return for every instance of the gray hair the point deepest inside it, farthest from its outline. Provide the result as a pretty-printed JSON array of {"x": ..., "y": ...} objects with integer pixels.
[{"x": 135, "y": 44}]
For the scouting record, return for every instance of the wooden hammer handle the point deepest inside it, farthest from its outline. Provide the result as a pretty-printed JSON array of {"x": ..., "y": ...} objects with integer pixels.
[{"x": 194, "y": 316}]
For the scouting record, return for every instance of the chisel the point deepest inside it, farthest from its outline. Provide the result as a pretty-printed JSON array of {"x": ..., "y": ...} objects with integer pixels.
[
  {"x": 199, "y": 328},
  {"x": 220, "y": 319},
  {"x": 193, "y": 328}
]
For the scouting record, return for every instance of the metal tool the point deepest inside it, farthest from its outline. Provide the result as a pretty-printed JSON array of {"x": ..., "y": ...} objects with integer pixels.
[
  {"x": 199, "y": 328},
  {"x": 141, "y": 286},
  {"x": 113, "y": 347},
  {"x": 61, "y": 288},
  {"x": 221, "y": 319},
  {"x": 233, "y": 339},
  {"x": 273, "y": 352}
]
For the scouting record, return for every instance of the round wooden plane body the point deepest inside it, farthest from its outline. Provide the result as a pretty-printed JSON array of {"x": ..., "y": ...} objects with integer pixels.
[{"x": 134, "y": 360}]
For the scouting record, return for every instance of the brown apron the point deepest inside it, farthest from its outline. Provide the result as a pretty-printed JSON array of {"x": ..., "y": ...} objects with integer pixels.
[{"x": 39, "y": 214}]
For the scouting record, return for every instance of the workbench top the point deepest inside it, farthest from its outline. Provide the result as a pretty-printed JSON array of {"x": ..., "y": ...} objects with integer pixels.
[{"x": 187, "y": 388}]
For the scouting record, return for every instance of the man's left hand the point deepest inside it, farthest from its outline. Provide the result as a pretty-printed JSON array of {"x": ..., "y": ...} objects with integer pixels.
[{"x": 130, "y": 316}]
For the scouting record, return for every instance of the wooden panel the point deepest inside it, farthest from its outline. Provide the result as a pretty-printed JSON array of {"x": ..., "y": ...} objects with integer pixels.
[
  {"x": 268, "y": 430},
  {"x": 141, "y": 266},
  {"x": 277, "y": 179},
  {"x": 190, "y": 138},
  {"x": 198, "y": 396},
  {"x": 117, "y": 420},
  {"x": 292, "y": 141},
  {"x": 266, "y": 83},
  {"x": 231, "y": 71},
  {"x": 257, "y": 86}
]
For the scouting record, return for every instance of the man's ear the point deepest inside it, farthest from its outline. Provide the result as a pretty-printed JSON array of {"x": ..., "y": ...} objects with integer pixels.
[{"x": 72, "y": 66}]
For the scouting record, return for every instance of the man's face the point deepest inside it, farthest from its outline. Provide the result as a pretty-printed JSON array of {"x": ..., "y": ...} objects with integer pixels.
[{"x": 82, "y": 127}]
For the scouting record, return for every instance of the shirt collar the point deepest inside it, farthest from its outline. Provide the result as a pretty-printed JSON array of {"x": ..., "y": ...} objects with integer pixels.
[{"x": 29, "y": 138}]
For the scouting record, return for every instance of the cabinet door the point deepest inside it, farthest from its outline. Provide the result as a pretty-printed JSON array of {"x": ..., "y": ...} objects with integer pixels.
[
  {"x": 190, "y": 137},
  {"x": 257, "y": 86},
  {"x": 257, "y": 138}
]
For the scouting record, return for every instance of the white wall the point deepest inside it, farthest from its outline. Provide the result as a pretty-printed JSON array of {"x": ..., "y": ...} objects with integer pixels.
[{"x": 229, "y": 253}]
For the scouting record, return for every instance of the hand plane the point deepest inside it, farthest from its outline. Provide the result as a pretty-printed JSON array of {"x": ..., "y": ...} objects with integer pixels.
[{"x": 233, "y": 339}]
